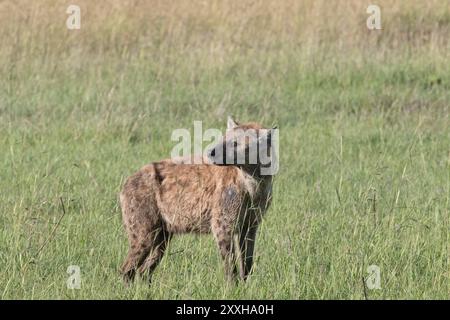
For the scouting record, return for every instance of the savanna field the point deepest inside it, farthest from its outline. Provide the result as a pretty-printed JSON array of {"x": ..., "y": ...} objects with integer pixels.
[{"x": 364, "y": 125}]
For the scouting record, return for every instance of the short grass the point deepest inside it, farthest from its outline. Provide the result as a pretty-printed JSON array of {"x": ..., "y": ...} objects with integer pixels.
[{"x": 365, "y": 142}]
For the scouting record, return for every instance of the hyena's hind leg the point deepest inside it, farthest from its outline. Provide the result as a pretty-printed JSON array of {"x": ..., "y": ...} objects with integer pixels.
[
  {"x": 143, "y": 225},
  {"x": 158, "y": 240},
  {"x": 145, "y": 253}
]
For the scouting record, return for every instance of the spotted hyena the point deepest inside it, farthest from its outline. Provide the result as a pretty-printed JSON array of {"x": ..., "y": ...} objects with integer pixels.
[{"x": 222, "y": 196}]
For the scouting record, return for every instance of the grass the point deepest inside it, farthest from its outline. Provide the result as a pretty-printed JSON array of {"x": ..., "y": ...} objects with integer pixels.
[{"x": 364, "y": 125}]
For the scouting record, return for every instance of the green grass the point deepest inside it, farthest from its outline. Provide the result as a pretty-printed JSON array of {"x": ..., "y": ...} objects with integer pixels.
[{"x": 364, "y": 171}]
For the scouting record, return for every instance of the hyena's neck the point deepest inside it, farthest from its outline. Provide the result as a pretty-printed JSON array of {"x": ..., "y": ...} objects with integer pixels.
[
  {"x": 255, "y": 172},
  {"x": 254, "y": 182}
]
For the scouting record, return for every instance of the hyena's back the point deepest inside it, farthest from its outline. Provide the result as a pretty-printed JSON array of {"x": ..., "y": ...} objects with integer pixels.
[{"x": 181, "y": 197}]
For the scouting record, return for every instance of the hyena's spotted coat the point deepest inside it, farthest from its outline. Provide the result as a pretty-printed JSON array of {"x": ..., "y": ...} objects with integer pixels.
[{"x": 168, "y": 197}]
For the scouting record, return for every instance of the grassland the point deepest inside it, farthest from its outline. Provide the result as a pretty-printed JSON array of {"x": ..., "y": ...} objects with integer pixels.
[{"x": 365, "y": 141}]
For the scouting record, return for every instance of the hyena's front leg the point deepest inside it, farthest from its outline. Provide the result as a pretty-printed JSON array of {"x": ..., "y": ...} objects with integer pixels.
[
  {"x": 223, "y": 234},
  {"x": 247, "y": 237}
]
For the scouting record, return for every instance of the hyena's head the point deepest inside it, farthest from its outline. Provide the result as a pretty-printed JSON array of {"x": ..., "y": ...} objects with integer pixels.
[{"x": 247, "y": 145}]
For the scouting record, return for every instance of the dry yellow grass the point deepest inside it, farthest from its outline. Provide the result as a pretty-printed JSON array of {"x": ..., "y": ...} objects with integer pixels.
[{"x": 219, "y": 28}]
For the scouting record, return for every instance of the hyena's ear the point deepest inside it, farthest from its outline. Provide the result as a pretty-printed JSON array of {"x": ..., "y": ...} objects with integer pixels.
[{"x": 231, "y": 124}]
